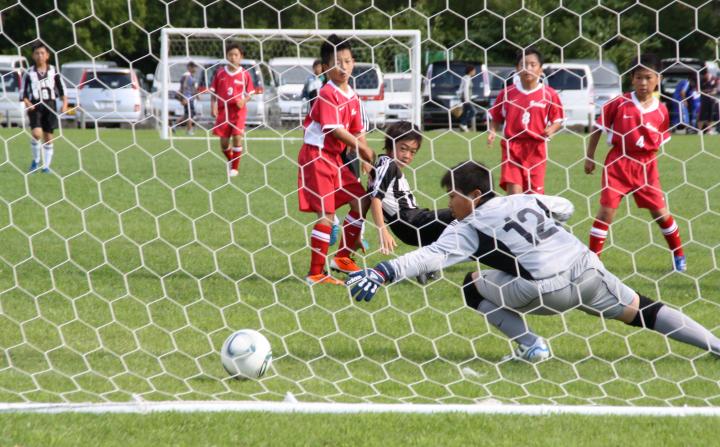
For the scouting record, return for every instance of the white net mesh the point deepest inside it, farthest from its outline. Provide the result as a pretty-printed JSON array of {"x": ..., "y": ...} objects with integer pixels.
[{"x": 123, "y": 270}]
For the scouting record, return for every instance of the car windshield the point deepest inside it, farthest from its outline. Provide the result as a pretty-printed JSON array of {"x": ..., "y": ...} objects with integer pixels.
[
  {"x": 450, "y": 79},
  {"x": 9, "y": 81},
  {"x": 566, "y": 78},
  {"x": 397, "y": 85},
  {"x": 606, "y": 77},
  {"x": 364, "y": 77},
  {"x": 292, "y": 74},
  {"x": 72, "y": 75},
  {"x": 108, "y": 80}
]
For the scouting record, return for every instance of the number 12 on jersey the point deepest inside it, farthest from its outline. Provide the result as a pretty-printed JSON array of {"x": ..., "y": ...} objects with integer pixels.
[{"x": 541, "y": 233}]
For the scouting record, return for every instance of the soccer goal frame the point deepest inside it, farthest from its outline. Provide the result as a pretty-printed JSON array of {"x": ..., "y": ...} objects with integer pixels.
[{"x": 167, "y": 33}]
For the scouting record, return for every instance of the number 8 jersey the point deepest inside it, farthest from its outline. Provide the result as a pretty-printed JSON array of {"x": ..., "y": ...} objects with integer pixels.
[{"x": 519, "y": 234}]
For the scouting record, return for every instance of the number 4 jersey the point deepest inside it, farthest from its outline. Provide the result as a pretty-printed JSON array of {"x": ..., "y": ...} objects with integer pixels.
[{"x": 519, "y": 234}]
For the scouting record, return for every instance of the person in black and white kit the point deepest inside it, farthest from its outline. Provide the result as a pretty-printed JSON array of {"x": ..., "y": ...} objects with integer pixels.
[
  {"x": 536, "y": 267},
  {"x": 41, "y": 87},
  {"x": 392, "y": 202}
]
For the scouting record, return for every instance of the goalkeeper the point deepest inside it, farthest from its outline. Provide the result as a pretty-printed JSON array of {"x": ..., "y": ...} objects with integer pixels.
[{"x": 537, "y": 267}]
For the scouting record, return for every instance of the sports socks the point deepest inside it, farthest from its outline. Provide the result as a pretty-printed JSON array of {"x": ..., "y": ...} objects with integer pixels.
[
  {"x": 235, "y": 153},
  {"x": 319, "y": 244},
  {"x": 49, "y": 150},
  {"x": 598, "y": 235},
  {"x": 352, "y": 228},
  {"x": 35, "y": 148},
  {"x": 680, "y": 327},
  {"x": 508, "y": 322},
  {"x": 672, "y": 235}
]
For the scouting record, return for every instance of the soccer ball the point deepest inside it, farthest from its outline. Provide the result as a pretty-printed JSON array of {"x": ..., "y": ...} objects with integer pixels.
[{"x": 246, "y": 354}]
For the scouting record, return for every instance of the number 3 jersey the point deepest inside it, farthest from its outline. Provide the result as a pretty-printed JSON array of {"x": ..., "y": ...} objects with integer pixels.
[{"x": 519, "y": 234}]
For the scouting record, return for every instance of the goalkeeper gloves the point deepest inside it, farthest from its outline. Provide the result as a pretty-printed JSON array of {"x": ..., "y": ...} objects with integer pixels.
[{"x": 365, "y": 283}]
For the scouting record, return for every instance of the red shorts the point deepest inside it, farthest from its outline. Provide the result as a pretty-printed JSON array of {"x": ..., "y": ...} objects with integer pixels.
[
  {"x": 324, "y": 183},
  {"x": 230, "y": 123},
  {"x": 523, "y": 163},
  {"x": 639, "y": 176}
]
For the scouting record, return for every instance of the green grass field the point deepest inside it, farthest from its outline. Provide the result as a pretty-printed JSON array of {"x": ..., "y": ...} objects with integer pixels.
[{"x": 121, "y": 276}]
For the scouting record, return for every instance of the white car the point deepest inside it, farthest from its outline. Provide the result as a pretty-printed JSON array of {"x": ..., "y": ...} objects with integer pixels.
[
  {"x": 367, "y": 81},
  {"x": 290, "y": 74},
  {"x": 13, "y": 61},
  {"x": 71, "y": 73},
  {"x": 575, "y": 86},
  {"x": 177, "y": 66},
  {"x": 398, "y": 97},
  {"x": 12, "y": 110},
  {"x": 110, "y": 95}
]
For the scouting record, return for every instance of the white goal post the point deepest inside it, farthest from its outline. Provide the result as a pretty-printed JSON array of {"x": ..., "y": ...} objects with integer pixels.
[{"x": 404, "y": 38}]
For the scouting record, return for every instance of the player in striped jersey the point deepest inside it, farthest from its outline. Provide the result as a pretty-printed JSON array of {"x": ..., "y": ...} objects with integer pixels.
[{"x": 537, "y": 267}]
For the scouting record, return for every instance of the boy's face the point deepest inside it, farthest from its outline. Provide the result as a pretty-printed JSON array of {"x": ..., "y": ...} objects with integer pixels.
[
  {"x": 191, "y": 68},
  {"x": 40, "y": 56},
  {"x": 341, "y": 71},
  {"x": 317, "y": 69},
  {"x": 529, "y": 69},
  {"x": 405, "y": 151},
  {"x": 234, "y": 56},
  {"x": 645, "y": 81},
  {"x": 462, "y": 205}
]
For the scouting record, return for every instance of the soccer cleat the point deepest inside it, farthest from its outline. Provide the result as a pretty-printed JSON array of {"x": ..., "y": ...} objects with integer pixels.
[
  {"x": 334, "y": 234},
  {"x": 680, "y": 264},
  {"x": 537, "y": 352},
  {"x": 464, "y": 128},
  {"x": 345, "y": 265},
  {"x": 234, "y": 173},
  {"x": 425, "y": 278},
  {"x": 323, "y": 278},
  {"x": 33, "y": 166},
  {"x": 190, "y": 133},
  {"x": 45, "y": 170}
]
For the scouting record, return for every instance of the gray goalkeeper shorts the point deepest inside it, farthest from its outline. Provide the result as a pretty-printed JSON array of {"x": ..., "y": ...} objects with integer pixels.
[{"x": 586, "y": 286}]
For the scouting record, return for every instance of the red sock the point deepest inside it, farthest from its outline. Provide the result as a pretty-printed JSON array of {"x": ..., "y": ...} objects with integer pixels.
[
  {"x": 228, "y": 153},
  {"x": 352, "y": 227},
  {"x": 236, "y": 153},
  {"x": 598, "y": 235},
  {"x": 319, "y": 243},
  {"x": 672, "y": 235}
]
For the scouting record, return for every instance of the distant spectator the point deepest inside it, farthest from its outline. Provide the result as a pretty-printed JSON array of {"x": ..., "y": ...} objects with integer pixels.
[
  {"x": 682, "y": 94},
  {"x": 465, "y": 93},
  {"x": 187, "y": 96},
  {"x": 313, "y": 83},
  {"x": 708, "y": 103}
]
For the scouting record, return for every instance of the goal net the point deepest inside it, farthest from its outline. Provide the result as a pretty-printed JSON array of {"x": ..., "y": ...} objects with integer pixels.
[{"x": 124, "y": 268}]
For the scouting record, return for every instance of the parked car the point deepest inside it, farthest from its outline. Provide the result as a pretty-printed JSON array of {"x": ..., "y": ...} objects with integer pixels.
[
  {"x": 440, "y": 93},
  {"x": 110, "y": 95},
  {"x": 575, "y": 86},
  {"x": 12, "y": 110},
  {"x": 398, "y": 97},
  {"x": 72, "y": 73},
  {"x": 290, "y": 74},
  {"x": 674, "y": 71},
  {"x": 367, "y": 81},
  {"x": 13, "y": 61},
  {"x": 606, "y": 79},
  {"x": 177, "y": 65}
]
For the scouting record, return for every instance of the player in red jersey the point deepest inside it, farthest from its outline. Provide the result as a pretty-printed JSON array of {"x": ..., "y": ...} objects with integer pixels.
[
  {"x": 532, "y": 113},
  {"x": 336, "y": 121},
  {"x": 638, "y": 126},
  {"x": 231, "y": 89}
]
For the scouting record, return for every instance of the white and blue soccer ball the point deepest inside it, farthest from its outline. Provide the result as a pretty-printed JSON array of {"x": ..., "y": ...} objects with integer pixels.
[{"x": 246, "y": 354}]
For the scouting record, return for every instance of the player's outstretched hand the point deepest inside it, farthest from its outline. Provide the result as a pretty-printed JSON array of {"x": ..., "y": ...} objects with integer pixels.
[
  {"x": 589, "y": 166},
  {"x": 387, "y": 242},
  {"x": 365, "y": 283}
]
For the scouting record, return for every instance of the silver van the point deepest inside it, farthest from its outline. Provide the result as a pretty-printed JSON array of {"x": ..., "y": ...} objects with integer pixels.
[{"x": 110, "y": 95}]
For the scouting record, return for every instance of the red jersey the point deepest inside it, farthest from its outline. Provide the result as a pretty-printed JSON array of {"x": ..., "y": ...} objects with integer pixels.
[
  {"x": 332, "y": 109},
  {"x": 229, "y": 87},
  {"x": 635, "y": 130},
  {"x": 527, "y": 113}
]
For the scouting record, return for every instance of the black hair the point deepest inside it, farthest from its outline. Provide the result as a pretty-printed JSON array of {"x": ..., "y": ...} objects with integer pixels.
[
  {"x": 401, "y": 131},
  {"x": 333, "y": 45},
  {"x": 191, "y": 64},
  {"x": 469, "y": 68},
  {"x": 317, "y": 62},
  {"x": 234, "y": 46},
  {"x": 39, "y": 44},
  {"x": 644, "y": 62},
  {"x": 467, "y": 177},
  {"x": 521, "y": 54}
]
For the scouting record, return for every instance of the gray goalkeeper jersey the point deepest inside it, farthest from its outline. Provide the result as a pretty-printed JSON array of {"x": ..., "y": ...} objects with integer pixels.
[{"x": 518, "y": 234}]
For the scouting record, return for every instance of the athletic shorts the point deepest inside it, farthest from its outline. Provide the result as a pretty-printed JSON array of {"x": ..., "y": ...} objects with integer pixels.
[
  {"x": 189, "y": 109},
  {"x": 523, "y": 163},
  {"x": 420, "y": 227},
  {"x": 43, "y": 116},
  {"x": 324, "y": 182},
  {"x": 230, "y": 122},
  {"x": 586, "y": 286},
  {"x": 640, "y": 177}
]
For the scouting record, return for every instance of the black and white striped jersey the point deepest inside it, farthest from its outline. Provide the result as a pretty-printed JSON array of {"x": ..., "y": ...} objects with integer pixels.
[
  {"x": 46, "y": 87},
  {"x": 388, "y": 183},
  {"x": 520, "y": 234}
]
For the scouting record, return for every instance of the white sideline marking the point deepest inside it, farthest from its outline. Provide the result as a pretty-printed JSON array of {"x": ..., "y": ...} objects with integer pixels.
[{"x": 345, "y": 408}]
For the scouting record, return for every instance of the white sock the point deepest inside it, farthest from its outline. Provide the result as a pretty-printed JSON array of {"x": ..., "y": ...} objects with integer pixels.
[
  {"x": 48, "y": 154},
  {"x": 35, "y": 148}
]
